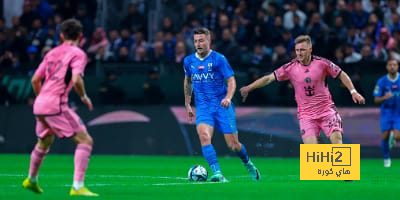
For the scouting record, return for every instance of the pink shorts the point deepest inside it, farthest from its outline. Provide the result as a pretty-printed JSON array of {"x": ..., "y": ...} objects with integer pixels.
[
  {"x": 65, "y": 124},
  {"x": 328, "y": 124}
]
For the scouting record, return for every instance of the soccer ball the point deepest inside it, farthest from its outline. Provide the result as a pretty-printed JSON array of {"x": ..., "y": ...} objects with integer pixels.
[{"x": 197, "y": 173}]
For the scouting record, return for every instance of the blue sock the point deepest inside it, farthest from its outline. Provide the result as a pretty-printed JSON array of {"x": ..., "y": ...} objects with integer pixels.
[
  {"x": 243, "y": 154},
  {"x": 385, "y": 149},
  {"x": 211, "y": 156}
]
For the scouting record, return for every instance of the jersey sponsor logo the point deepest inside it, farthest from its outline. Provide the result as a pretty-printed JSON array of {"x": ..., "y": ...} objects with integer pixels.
[
  {"x": 203, "y": 77},
  {"x": 201, "y": 67},
  {"x": 309, "y": 90}
]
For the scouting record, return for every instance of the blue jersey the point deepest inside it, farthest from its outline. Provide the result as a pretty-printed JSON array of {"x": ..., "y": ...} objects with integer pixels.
[
  {"x": 389, "y": 107},
  {"x": 208, "y": 76}
]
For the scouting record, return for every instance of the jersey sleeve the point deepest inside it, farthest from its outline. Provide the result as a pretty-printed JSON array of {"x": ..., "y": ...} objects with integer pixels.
[
  {"x": 41, "y": 70},
  {"x": 78, "y": 63},
  {"x": 378, "y": 90},
  {"x": 332, "y": 69},
  {"x": 186, "y": 67},
  {"x": 282, "y": 74},
  {"x": 225, "y": 68}
]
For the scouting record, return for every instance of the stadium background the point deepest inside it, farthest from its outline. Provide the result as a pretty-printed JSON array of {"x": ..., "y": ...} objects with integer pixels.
[{"x": 135, "y": 51}]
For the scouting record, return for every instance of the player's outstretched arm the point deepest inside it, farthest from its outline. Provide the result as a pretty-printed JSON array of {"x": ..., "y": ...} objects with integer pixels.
[
  {"x": 36, "y": 82},
  {"x": 261, "y": 82},
  {"x": 357, "y": 97},
  {"x": 79, "y": 86},
  {"x": 188, "y": 89}
]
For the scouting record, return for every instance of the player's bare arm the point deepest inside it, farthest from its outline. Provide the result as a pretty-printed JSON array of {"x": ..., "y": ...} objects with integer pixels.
[
  {"x": 357, "y": 97},
  {"x": 79, "y": 86},
  {"x": 231, "y": 82},
  {"x": 36, "y": 84},
  {"x": 188, "y": 89},
  {"x": 261, "y": 82},
  {"x": 379, "y": 100}
]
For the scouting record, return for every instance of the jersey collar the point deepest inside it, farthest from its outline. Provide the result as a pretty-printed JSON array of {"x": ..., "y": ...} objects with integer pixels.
[
  {"x": 395, "y": 79},
  {"x": 197, "y": 56}
]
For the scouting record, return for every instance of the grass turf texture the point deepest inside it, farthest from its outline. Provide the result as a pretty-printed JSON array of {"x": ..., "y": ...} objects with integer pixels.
[{"x": 156, "y": 177}]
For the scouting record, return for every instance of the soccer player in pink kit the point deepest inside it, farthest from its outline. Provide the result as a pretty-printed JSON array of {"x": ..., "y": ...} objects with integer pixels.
[
  {"x": 307, "y": 74},
  {"x": 62, "y": 69}
]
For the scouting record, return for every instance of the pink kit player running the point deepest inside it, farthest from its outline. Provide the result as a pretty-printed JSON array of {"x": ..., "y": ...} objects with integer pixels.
[
  {"x": 307, "y": 74},
  {"x": 61, "y": 69}
]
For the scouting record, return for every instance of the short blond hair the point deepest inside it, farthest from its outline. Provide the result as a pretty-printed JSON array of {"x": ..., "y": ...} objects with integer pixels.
[{"x": 303, "y": 38}]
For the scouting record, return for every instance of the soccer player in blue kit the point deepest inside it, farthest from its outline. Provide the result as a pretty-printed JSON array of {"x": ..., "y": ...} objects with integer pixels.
[
  {"x": 387, "y": 93},
  {"x": 211, "y": 78}
]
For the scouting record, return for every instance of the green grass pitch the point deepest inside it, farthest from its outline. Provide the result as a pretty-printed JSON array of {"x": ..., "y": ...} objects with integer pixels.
[{"x": 163, "y": 177}]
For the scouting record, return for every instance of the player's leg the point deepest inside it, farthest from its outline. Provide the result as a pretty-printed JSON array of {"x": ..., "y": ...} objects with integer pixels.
[
  {"x": 309, "y": 131},
  {"x": 386, "y": 127},
  {"x": 332, "y": 126},
  {"x": 226, "y": 124},
  {"x": 235, "y": 145},
  {"x": 42, "y": 147},
  {"x": 71, "y": 126},
  {"x": 81, "y": 161},
  {"x": 385, "y": 148},
  {"x": 205, "y": 133}
]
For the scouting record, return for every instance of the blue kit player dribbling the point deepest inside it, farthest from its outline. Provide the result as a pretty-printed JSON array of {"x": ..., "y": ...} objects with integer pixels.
[
  {"x": 387, "y": 93},
  {"x": 207, "y": 73}
]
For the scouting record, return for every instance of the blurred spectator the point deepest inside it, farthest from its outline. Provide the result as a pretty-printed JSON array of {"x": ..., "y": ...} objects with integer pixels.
[
  {"x": 367, "y": 54},
  {"x": 152, "y": 91},
  {"x": 318, "y": 31},
  {"x": 288, "y": 16},
  {"x": 28, "y": 15},
  {"x": 351, "y": 56},
  {"x": 259, "y": 58},
  {"x": 297, "y": 29},
  {"x": 359, "y": 17},
  {"x": 343, "y": 11},
  {"x": 141, "y": 54},
  {"x": 43, "y": 8},
  {"x": 228, "y": 46},
  {"x": 392, "y": 9},
  {"x": 259, "y": 97},
  {"x": 157, "y": 52},
  {"x": 114, "y": 37},
  {"x": 385, "y": 44},
  {"x": 209, "y": 17},
  {"x": 180, "y": 52},
  {"x": 110, "y": 92},
  {"x": 33, "y": 61},
  {"x": 99, "y": 41},
  {"x": 134, "y": 20},
  {"x": 377, "y": 10}
]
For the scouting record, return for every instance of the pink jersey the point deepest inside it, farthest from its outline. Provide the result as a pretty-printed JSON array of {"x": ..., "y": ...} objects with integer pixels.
[
  {"x": 57, "y": 68},
  {"x": 311, "y": 90}
]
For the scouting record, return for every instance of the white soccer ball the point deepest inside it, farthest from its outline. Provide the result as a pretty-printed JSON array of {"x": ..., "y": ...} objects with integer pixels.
[{"x": 197, "y": 173}]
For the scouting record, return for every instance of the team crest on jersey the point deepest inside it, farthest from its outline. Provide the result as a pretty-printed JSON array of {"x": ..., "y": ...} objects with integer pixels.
[
  {"x": 308, "y": 80},
  {"x": 209, "y": 67},
  {"x": 334, "y": 67}
]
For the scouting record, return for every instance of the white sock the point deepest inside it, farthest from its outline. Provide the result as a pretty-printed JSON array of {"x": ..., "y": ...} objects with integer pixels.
[
  {"x": 77, "y": 185},
  {"x": 33, "y": 179}
]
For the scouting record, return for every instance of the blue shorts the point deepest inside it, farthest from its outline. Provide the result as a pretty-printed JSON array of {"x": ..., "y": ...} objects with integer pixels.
[
  {"x": 390, "y": 123},
  {"x": 224, "y": 119}
]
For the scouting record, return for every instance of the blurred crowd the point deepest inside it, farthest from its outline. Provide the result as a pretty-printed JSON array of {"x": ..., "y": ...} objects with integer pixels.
[
  {"x": 256, "y": 36},
  {"x": 257, "y": 33}
]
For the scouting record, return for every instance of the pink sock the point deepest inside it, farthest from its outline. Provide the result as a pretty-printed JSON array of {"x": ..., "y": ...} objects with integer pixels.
[
  {"x": 37, "y": 157},
  {"x": 81, "y": 160}
]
